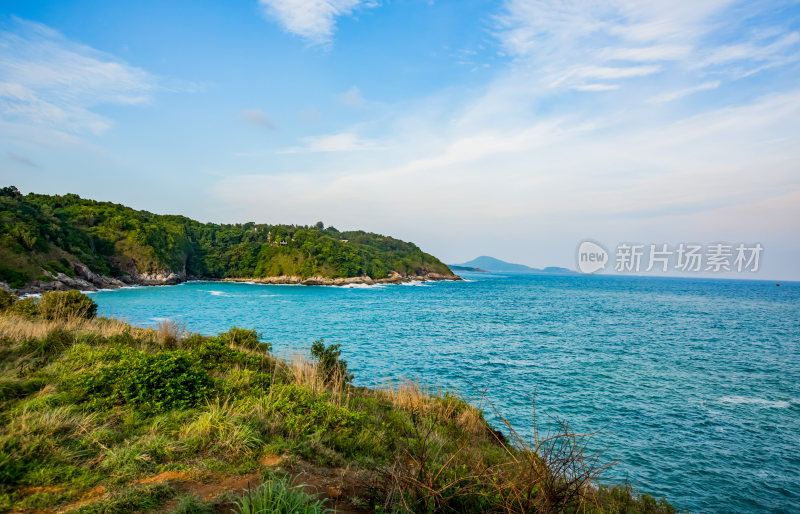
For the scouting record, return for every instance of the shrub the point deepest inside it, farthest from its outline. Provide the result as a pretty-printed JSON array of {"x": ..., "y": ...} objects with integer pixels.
[
  {"x": 329, "y": 364},
  {"x": 25, "y": 307},
  {"x": 56, "y": 341},
  {"x": 280, "y": 496},
  {"x": 6, "y": 299},
  {"x": 170, "y": 333},
  {"x": 249, "y": 339},
  {"x": 215, "y": 354},
  {"x": 155, "y": 382},
  {"x": 306, "y": 412},
  {"x": 66, "y": 304}
]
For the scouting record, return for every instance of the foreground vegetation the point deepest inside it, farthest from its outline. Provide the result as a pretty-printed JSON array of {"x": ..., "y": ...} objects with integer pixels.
[
  {"x": 100, "y": 416},
  {"x": 43, "y": 235}
]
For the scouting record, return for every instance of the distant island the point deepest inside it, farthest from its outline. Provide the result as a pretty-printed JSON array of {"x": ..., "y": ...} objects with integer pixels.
[
  {"x": 485, "y": 263},
  {"x": 57, "y": 242},
  {"x": 456, "y": 267}
]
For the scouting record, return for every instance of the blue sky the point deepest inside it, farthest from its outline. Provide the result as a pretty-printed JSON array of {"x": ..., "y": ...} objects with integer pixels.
[{"x": 514, "y": 128}]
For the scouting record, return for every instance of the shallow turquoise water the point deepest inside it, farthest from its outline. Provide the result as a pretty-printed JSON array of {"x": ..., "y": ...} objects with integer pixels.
[{"x": 694, "y": 385}]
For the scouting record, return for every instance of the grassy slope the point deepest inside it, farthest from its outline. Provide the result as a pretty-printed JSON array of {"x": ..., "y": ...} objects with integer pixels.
[
  {"x": 237, "y": 416},
  {"x": 42, "y": 235}
]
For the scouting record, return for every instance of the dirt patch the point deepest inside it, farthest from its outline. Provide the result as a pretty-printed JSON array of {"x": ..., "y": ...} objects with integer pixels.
[
  {"x": 270, "y": 460},
  {"x": 41, "y": 489},
  {"x": 347, "y": 490},
  {"x": 166, "y": 476},
  {"x": 88, "y": 497},
  {"x": 211, "y": 489}
]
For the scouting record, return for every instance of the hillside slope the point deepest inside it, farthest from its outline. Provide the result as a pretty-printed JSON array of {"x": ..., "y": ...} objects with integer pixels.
[{"x": 56, "y": 242}]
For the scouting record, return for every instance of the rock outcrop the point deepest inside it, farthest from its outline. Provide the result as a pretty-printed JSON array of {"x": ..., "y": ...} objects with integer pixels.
[
  {"x": 393, "y": 278},
  {"x": 86, "y": 280}
]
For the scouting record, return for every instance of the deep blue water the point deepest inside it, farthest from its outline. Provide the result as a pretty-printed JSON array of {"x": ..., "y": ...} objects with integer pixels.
[{"x": 694, "y": 385}]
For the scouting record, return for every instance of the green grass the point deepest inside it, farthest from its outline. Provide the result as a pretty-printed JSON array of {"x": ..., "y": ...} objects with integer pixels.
[{"x": 279, "y": 496}]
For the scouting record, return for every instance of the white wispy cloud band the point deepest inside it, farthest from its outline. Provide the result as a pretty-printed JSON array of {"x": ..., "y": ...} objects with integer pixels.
[
  {"x": 47, "y": 80},
  {"x": 313, "y": 20}
]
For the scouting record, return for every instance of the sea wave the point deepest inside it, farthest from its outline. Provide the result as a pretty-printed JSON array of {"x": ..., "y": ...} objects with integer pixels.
[{"x": 761, "y": 402}]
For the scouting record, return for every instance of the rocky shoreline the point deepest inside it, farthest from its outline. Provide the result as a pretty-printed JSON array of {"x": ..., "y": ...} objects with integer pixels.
[
  {"x": 393, "y": 278},
  {"x": 86, "y": 280}
]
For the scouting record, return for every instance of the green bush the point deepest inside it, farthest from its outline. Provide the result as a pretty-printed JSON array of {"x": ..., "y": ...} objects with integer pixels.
[
  {"x": 329, "y": 363},
  {"x": 306, "y": 412},
  {"x": 154, "y": 382},
  {"x": 66, "y": 304},
  {"x": 249, "y": 339},
  {"x": 6, "y": 299},
  {"x": 56, "y": 341},
  {"x": 25, "y": 307},
  {"x": 280, "y": 496}
]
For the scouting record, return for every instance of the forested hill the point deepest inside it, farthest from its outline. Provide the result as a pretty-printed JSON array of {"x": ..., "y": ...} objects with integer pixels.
[{"x": 45, "y": 237}]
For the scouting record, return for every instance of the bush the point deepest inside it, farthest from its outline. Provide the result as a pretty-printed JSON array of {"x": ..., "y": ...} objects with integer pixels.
[
  {"x": 305, "y": 412},
  {"x": 329, "y": 364},
  {"x": 6, "y": 299},
  {"x": 66, "y": 304},
  {"x": 26, "y": 307},
  {"x": 280, "y": 496},
  {"x": 155, "y": 382},
  {"x": 56, "y": 341},
  {"x": 249, "y": 339}
]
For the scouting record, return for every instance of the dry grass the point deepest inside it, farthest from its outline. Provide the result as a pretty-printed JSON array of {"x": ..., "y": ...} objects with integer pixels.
[
  {"x": 170, "y": 333},
  {"x": 19, "y": 328},
  {"x": 306, "y": 372}
]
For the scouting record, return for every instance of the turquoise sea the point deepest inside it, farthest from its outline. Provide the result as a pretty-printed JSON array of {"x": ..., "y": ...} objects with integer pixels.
[{"x": 692, "y": 384}]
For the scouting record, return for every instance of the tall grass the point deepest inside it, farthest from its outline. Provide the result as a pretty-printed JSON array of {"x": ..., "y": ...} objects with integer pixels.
[
  {"x": 19, "y": 328},
  {"x": 279, "y": 496}
]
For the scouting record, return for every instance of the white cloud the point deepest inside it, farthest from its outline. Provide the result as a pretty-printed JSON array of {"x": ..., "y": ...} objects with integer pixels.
[
  {"x": 753, "y": 51},
  {"x": 647, "y": 54},
  {"x": 49, "y": 81},
  {"x": 595, "y": 87},
  {"x": 344, "y": 142},
  {"x": 352, "y": 97},
  {"x": 573, "y": 42},
  {"x": 313, "y": 20},
  {"x": 669, "y": 96}
]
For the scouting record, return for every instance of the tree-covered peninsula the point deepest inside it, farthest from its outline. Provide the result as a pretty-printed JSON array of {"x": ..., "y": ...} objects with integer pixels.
[{"x": 65, "y": 241}]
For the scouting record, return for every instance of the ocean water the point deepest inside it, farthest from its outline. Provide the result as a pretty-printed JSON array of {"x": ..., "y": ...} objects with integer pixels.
[{"x": 693, "y": 386}]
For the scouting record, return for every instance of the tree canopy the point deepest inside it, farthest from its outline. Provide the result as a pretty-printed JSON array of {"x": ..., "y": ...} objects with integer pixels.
[{"x": 43, "y": 234}]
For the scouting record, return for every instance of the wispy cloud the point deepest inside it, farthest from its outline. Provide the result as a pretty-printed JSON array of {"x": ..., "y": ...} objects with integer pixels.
[
  {"x": 344, "y": 142},
  {"x": 574, "y": 42},
  {"x": 674, "y": 95},
  {"x": 313, "y": 20},
  {"x": 47, "y": 80},
  {"x": 258, "y": 118},
  {"x": 352, "y": 97}
]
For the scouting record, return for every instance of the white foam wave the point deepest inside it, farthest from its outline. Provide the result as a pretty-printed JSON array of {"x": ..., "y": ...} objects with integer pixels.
[
  {"x": 761, "y": 402},
  {"x": 362, "y": 286}
]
